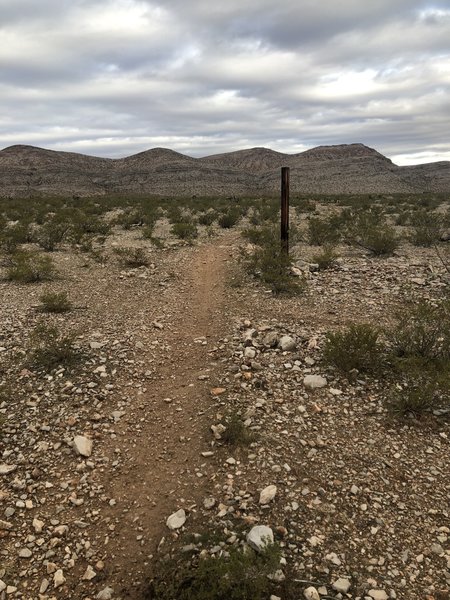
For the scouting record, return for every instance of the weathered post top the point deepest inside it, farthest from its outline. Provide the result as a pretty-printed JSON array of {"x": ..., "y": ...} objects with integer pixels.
[{"x": 285, "y": 209}]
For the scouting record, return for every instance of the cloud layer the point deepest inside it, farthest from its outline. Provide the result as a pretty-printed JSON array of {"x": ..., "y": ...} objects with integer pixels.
[{"x": 114, "y": 77}]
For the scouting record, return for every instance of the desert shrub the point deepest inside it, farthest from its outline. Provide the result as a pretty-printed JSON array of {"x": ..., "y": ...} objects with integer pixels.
[
  {"x": 185, "y": 230},
  {"x": 15, "y": 235},
  {"x": 323, "y": 231},
  {"x": 236, "y": 574},
  {"x": 356, "y": 347},
  {"x": 415, "y": 397},
  {"x": 427, "y": 228},
  {"x": 132, "y": 257},
  {"x": 50, "y": 349},
  {"x": 55, "y": 302},
  {"x": 207, "y": 218},
  {"x": 270, "y": 263},
  {"x": 326, "y": 259},
  {"x": 422, "y": 330},
  {"x": 229, "y": 219},
  {"x": 30, "y": 267},
  {"x": 381, "y": 240},
  {"x": 51, "y": 234},
  {"x": 236, "y": 432}
]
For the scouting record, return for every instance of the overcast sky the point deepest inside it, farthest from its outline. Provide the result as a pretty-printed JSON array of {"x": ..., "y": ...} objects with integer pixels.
[{"x": 115, "y": 77}]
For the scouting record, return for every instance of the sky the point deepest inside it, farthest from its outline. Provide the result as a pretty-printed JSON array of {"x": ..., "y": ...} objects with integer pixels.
[{"x": 115, "y": 77}]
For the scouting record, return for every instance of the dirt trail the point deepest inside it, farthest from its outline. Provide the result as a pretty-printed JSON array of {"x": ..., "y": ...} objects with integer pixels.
[{"x": 164, "y": 467}]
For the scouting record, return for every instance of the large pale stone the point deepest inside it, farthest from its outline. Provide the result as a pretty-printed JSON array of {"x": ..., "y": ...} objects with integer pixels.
[
  {"x": 267, "y": 494},
  {"x": 83, "y": 445},
  {"x": 259, "y": 537},
  {"x": 287, "y": 344},
  {"x": 311, "y": 593},
  {"x": 314, "y": 382},
  {"x": 176, "y": 520},
  {"x": 342, "y": 585}
]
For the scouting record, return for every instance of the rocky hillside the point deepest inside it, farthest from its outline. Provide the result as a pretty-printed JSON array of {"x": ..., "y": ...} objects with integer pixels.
[{"x": 348, "y": 168}]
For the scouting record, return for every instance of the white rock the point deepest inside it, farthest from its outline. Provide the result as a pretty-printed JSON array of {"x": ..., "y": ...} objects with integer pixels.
[
  {"x": 287, "y": 344},
  {"x": 25, "y": 553},
  {"x": 89, "y": 573},
  {"x": 314, "y": 382},
  {"x": 209, "y": 503},
  {"x": 2, "y": 586},
  {"x": 6, "y": 469},
  {"x": 44, "y": 586},
  {"x": 311, "y": 593},
  {"x": 259, "y": 537},
  {"x": 378, "y": 595},
  {"x": 58, "y": 578},
  {"x": 83, "y": 445},
  {"x": 249, "y": 352},
  {"x": 267, "y": 494},
  {"x": 342, "y": 585},
  {"x": 176, "y": 520},
  {"x": 105, "y": 594}
]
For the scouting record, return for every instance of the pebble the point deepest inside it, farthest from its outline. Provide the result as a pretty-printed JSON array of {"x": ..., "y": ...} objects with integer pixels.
[
  {"x": 314, "y": 382},
  {"x": 176, "y": 520},
  {"x": 83, "y": 445},
  {"x": 342, "y": 585},
  {"x": 58, "y": 578},
  {"x": 267, "y": 494},
  {"x": 311, "y": 593},
  {"x": 259, "y": 537},
  {"x": 378, "y": 595},
  {"x": 287, "y": 343},
  {"x": 105, "y": 594}
]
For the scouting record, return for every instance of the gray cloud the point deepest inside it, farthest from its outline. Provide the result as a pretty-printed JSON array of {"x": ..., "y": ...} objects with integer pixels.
[{"x": 114, "y": 77}]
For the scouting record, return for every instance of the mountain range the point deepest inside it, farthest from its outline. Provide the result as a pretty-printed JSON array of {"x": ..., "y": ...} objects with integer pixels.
[{"x": 27, "y": 171}]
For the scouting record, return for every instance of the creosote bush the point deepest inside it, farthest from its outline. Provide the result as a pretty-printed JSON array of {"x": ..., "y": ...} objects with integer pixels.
[
  {"x": 236, "y": 574},
  {"x": 51, "y": 348},
  {"x": 185, "y": 230},
  {"x": 55, "y": 302},
  {"x": 132, "y": 257},
  {"x": 356, "y": 347},
  {"x": 422, "y": 330},
  {"x": 326, "y": 259},
  {"x": 270, "y": 263},
  {"x": 30, "y": 267},
  {"x": 236, "y": 432}
]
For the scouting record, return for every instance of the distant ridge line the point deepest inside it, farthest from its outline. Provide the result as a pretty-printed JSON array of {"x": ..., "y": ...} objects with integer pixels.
[{"x": 27, "y": 171}]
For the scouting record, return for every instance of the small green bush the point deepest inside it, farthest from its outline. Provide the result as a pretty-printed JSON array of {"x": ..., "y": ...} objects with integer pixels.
[
  {"x": 326, "y": 259},
  {"x": 51, "y": 349},
  {"x": 356, "y": 347},
  {"x": 55, "y": 302},
  {"x": 233, "y": 575},
  {"x": 381, "y": 240},
  {"x": 207, "y": 218},
  {"x": 415, "y": 397},
  {"x": 272, "y": 264},
  {"x": 422, "y": 330},
  {"x": 229, "y": 219},
  {"x": 132, "y": 257},
  {"x": 185, "y": 230},
  {"x": 14, "y": 236},
  {"x": 236, "y": 433},
  {"x": 51, "y": 234},
  {"x": 427, "y": 228},
  {"x": 29, "y": 267},
  {"x": 323, "y": 231}
]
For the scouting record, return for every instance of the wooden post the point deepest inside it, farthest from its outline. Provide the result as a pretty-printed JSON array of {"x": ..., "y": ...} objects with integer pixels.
[{"x": 285, "y": 209}]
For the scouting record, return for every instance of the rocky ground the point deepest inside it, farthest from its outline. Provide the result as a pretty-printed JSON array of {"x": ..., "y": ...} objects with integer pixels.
[{"x": 109, "y": 465}]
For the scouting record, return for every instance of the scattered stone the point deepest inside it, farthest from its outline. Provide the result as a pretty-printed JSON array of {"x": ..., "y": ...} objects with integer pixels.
[
  {"x": 25, "y": 553},
  {"x": 89, "y": 573},
  {"x": 259, "y": 537},
  {"x": 58, "y": 578},
  {"x": 209, "y": 503},
  {"x": 267, "y": 494},
  {"x": 314, "y": 382},
  {"x": 105, "y": 594},
  {"x": 311, "y": 593},
  {"x": 176, "y": 520},
  {"x": 83, "y": 445},
  {"x": 7, "y": 469},
  {"x": 287, "y": 344},
  {"x": 342, "y": 585},
  {"x": 378, "y": 595}
]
